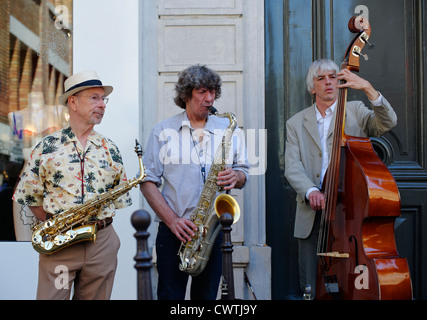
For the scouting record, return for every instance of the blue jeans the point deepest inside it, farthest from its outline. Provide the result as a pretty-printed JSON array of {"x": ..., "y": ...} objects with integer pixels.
[{"x": 172, "y": 282}]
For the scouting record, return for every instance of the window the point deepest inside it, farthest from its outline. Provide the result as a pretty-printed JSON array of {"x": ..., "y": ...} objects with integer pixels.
[{"x": 35, "y": 59}]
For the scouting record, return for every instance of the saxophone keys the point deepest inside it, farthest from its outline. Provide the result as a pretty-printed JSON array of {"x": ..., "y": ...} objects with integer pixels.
[
  {"x": 37, "y": 239},
  {"x": 183, "y": 265},
  {"x": 59, "y": 240},
  {"x": 48, "y": 245},
  {"x": 201, "y": 231},
  {"x": 71, "y": 234}
]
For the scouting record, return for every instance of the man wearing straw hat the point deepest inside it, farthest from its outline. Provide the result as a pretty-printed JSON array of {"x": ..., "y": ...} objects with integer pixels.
[{"x": 66, "y": 169}]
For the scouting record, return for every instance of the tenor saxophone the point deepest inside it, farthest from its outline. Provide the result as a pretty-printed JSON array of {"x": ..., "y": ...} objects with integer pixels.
[
  {"x": 76, "y": 224},
  {"x": 194, "y": 254}
]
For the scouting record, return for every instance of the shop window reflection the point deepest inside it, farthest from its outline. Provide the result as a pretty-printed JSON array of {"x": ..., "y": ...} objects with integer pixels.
[{"x": 35, "y": 59}]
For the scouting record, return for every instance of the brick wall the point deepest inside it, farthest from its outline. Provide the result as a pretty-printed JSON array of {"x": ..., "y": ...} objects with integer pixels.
[
  {"x": 4, "y": 55},
  {"x": 22, "y": 69}
]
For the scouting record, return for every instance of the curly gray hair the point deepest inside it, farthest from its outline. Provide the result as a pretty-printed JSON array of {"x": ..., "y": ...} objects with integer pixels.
[{"x": 196, "y": 77}]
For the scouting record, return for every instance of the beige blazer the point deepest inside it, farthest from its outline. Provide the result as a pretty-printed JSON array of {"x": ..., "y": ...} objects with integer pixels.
[{"x": 303, "y": 154}]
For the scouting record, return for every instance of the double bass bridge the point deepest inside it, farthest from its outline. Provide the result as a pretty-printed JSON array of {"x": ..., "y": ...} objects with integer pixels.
[{"x": 334, "y": 254}]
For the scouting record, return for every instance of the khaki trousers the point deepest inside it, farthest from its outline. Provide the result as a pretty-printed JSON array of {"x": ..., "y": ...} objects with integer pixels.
[{"x": 91, "y": 267}]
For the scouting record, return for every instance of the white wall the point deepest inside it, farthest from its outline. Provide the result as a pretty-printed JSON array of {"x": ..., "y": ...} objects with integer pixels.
[{"x": 105, "y": 40}]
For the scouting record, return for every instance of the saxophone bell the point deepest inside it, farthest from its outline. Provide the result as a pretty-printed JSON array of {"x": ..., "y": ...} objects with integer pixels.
[{"x": 226, "y": 203}]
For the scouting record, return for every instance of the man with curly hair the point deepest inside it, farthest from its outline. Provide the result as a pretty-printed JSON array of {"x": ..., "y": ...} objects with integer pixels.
[
  {"x": 178, "y": 155},
  {"x": 66, "y": 169}
]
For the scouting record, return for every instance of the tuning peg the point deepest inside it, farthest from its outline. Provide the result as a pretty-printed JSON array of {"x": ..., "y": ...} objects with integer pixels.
[
  {"x": 365, "y": 38},
  {"x": 357, "y": 51},
  {"x": 371, "y": 45},
  {"x": 364, "y": 56}
]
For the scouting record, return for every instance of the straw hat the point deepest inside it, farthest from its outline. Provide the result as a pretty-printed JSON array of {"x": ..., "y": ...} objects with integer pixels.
[{"x": 81, "y": 81}]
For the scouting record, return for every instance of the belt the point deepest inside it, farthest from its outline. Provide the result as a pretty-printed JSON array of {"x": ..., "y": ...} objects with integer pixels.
[{"x": 102, "y": 224}]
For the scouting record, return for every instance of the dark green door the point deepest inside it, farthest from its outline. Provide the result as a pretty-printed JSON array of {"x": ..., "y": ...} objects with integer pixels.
[{"x": 300, "y": 31}]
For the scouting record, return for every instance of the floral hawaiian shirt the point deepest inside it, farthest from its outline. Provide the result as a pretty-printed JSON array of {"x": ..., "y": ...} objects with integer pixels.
[{"x": 60, "y": 175}]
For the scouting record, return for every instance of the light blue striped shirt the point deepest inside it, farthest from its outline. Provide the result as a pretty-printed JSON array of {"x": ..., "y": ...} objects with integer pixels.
[{"x": 174, "y": 158}]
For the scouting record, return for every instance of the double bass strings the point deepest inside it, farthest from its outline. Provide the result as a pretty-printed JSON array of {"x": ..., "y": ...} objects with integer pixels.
[{"x": 331, "y": 179}]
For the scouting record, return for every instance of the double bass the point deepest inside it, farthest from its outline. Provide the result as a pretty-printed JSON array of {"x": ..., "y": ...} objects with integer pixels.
[{"x": 357, "y": 254}]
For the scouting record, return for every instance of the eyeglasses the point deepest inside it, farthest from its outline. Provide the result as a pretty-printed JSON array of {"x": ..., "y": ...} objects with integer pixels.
[{"x": 94, "y": 98}]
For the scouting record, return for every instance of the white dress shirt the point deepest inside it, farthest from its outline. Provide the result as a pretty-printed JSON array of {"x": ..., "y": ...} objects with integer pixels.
[{"x": 323, "y": 124}]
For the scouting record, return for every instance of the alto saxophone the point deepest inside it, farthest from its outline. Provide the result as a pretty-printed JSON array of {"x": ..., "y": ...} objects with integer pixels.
[
  {"x": 75, "y": 225},
  {"x": 194, "y": 254}
]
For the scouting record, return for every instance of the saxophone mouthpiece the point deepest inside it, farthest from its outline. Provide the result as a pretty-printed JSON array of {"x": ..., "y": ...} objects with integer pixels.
[
  {"x": 212, "y": 110},
  {"x": 138, "y": 148}
]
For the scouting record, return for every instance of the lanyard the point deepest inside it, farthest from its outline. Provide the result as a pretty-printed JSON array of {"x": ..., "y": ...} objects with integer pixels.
[
  {"x": 202, "y": 165},
  {"x": 82, "y": 166}
]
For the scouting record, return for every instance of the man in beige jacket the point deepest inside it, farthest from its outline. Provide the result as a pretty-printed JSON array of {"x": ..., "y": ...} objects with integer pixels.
[{"x": 308, "y": 149}]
